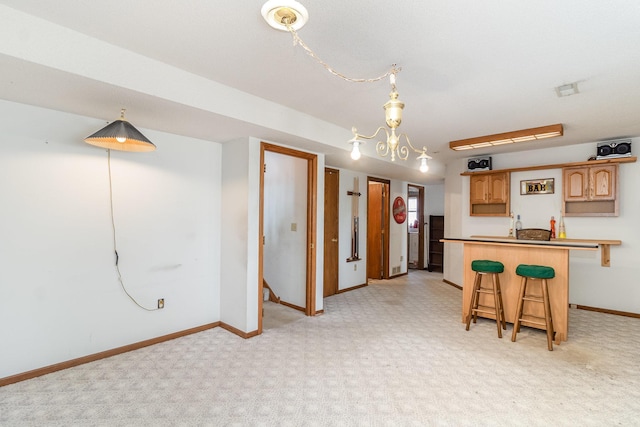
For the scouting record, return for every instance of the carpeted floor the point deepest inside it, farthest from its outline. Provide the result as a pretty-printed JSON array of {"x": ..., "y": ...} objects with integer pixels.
[{"x": 394, "y": 353}]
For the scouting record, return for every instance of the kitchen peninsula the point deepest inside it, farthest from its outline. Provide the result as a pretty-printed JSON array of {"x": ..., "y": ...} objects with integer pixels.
[{"x": 512, "y": 252}]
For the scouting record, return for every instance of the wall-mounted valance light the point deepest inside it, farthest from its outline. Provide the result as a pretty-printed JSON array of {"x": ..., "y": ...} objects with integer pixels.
[
  {"x": 289, "y": 15},
  {"x": 524, "y": 135},
  {"x": 120, "y": 135}
]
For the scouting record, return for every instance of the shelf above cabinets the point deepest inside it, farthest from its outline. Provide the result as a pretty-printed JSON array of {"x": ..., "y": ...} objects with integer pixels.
[{"x": 631, "y": 159}]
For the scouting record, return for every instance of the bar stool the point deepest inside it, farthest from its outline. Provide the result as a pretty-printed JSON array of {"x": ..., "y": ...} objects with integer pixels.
[
  {"x": 493, "y": 268},
  {"x": 534, "y": 272}
]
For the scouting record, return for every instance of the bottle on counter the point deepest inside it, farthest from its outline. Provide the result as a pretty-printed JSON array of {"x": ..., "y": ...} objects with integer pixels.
[
  {"x": 511, "y": 225},
  {"x": 518, "y": 223},
  {"x": 561, "y": 231},
  {"x": 552, "y": 227}
]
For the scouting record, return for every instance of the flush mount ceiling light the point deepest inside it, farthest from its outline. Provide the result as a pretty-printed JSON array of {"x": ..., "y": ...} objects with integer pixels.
[
  {"x": 543, "y": 132},
  {"x": 289, "y": 15},
  {"x": 120, "y": 135},
  {"x": 281, "y": 14},
  {"x": 567, "y": 90}
]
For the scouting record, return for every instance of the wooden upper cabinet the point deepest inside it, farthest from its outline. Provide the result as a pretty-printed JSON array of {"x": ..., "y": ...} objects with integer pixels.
[
  {"x": 576, "y": 184},
  {"x": 603, "y": 180},
  {"x": 499, "y": 188},
  {"x": 591, "y": 190},
  {"x": 479, "y": 189},
  {"x": 489, "y": 194}
]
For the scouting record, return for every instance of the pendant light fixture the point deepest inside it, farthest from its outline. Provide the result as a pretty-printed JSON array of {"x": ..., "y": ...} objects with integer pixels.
[
  {"x": 393, "y": 117},
  {"x": 289, "y": 15},
  {"x": 120, "y": 135}
]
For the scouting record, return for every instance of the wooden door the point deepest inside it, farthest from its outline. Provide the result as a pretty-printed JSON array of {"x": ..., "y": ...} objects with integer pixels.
[
  {"x": 377, "y": 229},
  {"x": 331, "y": 215}
]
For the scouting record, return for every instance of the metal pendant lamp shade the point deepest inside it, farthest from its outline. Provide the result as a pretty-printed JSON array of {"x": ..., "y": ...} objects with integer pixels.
[{"x": 120, "y": 135}]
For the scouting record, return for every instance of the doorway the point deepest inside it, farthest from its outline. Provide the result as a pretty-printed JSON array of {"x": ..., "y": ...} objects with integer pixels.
[
  {"x": 331, "y": 224},
  {"x": 285, "y": 203},
  {"x": 377, "y": 228},
  {"x": 416, "y": 227}
]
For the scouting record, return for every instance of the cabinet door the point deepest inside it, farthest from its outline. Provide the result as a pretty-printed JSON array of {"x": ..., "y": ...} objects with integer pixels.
[
  {"x": 576, "y": 184},
  {"x": 499, "y": 188},
  {"x": 603, "y": 182},
  {"x": 479, "y": 189}
]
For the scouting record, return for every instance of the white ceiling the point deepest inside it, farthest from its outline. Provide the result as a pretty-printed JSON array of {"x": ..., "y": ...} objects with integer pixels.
[{"x": 468, "y": 68}]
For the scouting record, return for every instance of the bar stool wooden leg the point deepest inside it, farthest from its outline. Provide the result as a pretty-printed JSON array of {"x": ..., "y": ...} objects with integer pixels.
[
  {"x": 516, "y": 323},
  {"x": 497, "y": 304},
  {"x": 498, "y": 290},
  {"x": 547, "y": 314},
  {"x": 473, "y": 305}
]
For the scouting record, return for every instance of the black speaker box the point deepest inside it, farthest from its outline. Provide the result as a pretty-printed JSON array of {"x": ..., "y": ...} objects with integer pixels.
[
  {"x": 479, "y": 164},
  {"x": 612, "y": 149}
]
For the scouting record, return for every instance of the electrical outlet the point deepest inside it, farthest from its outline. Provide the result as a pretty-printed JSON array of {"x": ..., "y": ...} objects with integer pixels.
[{"x": 161, "y": 303}]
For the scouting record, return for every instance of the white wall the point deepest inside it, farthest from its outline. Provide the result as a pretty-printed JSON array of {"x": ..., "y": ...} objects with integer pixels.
[
  {"x": 240, "y": 234},
  {"x": 59, "y": 294},
  {"x": 285, "y": 208},
  {"x": 354, "y": 273},
  {"x": 613, "y": 288},
  {"x": 433, "y": 200}
]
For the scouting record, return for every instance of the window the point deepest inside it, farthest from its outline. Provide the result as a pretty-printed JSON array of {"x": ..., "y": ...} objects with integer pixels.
[{"x": 412, "y": 214}]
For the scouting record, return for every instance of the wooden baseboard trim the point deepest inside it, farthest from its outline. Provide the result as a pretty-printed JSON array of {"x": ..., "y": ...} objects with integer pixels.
[
  {"x": 102, "y": 355},
  {"x": 302, "y": 309},
  {"x": 351, "y": 288},
  {"x": 604, "y": 310},
  {"x": 237, "y": 331},
  {"x": 452, "y": 284}
]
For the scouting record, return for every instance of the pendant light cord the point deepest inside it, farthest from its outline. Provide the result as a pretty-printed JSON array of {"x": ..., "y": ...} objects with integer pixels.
[
  {"x": 115, "y": 246},
  {"x": 298, "y": 41}
]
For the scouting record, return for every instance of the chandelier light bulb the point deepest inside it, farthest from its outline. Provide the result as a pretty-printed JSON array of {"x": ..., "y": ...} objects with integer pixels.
[
  {"x": 355, "y": 152},
  {"x": 424, "y": 167},
  {"x": 121, "y": 139}
]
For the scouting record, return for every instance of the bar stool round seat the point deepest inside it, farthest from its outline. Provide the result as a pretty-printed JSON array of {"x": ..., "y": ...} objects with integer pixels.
[
  {"x": 534, "y": 272},
  {"x": 484, "y": 267}
]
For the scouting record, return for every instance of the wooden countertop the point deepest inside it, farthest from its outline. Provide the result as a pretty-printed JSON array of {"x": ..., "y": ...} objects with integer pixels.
[{"x": 579, "y": 244}]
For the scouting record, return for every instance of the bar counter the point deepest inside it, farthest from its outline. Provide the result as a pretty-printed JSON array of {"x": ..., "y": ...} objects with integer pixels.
[{"x": 512, "y": 252}]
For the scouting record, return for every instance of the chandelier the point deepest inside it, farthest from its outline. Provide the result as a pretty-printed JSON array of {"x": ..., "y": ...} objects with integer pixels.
[
  {"x": 289, "y": 15},
  {"x": 393, "y": 117}
]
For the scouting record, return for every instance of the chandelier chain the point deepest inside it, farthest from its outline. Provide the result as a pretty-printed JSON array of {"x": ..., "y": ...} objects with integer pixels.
[{"x": 298, "y": 41}]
